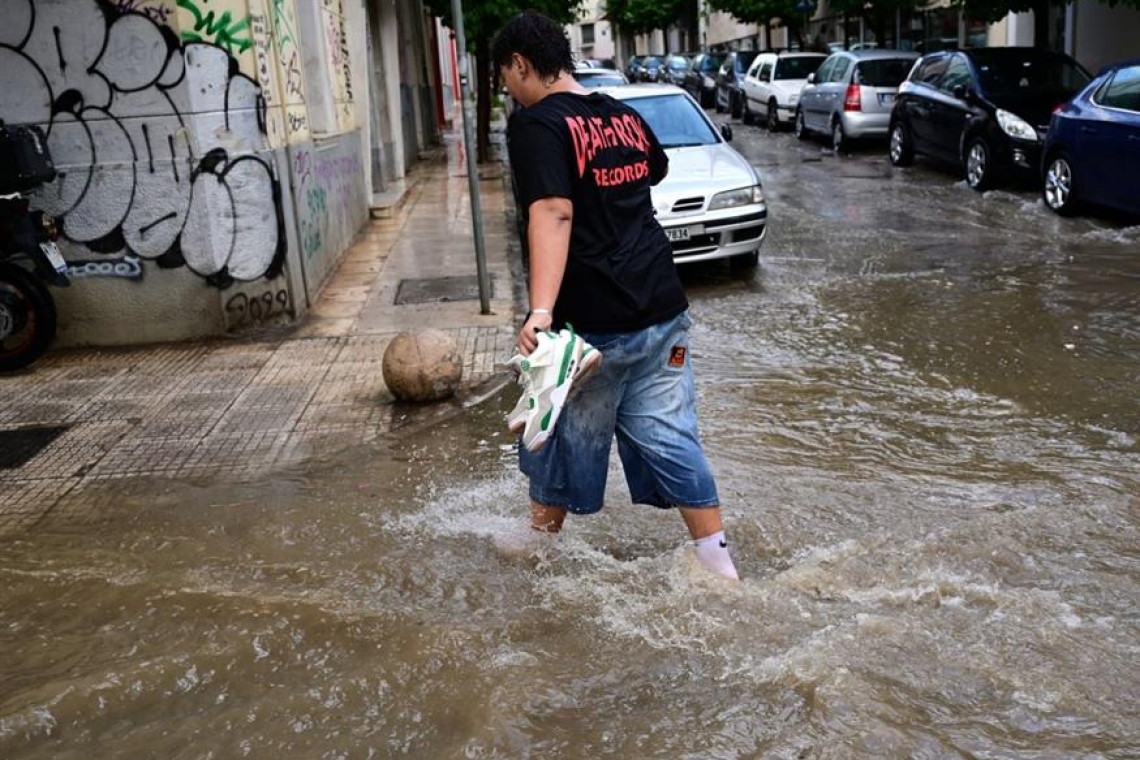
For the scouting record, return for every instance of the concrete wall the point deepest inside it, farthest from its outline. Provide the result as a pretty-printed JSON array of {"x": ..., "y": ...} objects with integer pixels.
[
  {"x": 175, "y": 126},
  {"x": 1104, "y": 35},
  {"x": 331, "y": 200}
]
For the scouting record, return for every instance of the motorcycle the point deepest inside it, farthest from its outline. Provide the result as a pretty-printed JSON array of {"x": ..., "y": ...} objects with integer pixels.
[{"x": 29, "y": 255}]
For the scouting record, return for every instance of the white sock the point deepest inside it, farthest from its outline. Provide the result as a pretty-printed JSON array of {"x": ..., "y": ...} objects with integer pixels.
[{"x": 712, "y": 552}]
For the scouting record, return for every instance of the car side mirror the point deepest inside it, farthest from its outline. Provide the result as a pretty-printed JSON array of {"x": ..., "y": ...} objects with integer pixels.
[
  {"x": 960, "y": 92},
  {"x": 811, "y": 78},
  {"x": 726, "y": 132}
]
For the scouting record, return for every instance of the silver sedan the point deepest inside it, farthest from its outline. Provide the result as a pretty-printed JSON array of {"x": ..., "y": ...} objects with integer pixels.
[{"x": 711, "y": 203}]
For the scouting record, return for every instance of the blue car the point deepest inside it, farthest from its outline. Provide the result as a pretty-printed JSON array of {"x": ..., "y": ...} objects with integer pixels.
[{"x": 1092, "y": 151}]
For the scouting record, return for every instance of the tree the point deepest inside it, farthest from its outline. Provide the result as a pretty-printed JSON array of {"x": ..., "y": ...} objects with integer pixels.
[
  {"x": 792, "y": 14},
  {"x": 482, "y": 20},
  {"x": 643, "y": 16}
]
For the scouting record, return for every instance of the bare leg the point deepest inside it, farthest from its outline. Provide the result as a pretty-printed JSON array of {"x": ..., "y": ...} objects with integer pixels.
[
  {"x": 702, "y": 522},
  {"x": 546, "y": 519}
]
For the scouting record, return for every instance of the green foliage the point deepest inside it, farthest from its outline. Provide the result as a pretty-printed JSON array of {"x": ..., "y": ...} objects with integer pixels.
[
  {"x": 482, "y": 19},
  {"x": 641, "y": 16},
  {"x": 762, "y": 11}
]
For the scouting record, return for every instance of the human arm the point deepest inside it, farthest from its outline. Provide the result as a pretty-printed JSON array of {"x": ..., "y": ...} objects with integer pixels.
[{"x": 548, "y": 237}]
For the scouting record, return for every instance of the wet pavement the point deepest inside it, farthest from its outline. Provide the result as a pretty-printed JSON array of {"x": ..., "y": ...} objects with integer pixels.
[{"x": 921, "y": 410}]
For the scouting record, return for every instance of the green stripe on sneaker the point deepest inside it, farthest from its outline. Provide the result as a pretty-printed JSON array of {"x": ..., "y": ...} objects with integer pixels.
[{"x": 567, "y": 360}]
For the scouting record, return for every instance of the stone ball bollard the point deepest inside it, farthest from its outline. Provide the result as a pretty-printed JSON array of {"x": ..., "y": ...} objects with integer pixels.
[{"x": 422, "y": 365}]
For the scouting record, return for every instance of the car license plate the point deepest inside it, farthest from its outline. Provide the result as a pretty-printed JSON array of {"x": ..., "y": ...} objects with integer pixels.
[
  {"x": 886, "y": 98},
  {"x": 677, "y": 234},
  {"x": 51, "y": 251}
]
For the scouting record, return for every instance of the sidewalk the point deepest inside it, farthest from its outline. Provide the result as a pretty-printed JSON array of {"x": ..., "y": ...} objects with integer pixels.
[{"x": 78, "y": 422}]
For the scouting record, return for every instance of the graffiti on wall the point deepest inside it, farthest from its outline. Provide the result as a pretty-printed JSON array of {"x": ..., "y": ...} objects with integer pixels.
[
  {"x": 159, "y": 142},
  {"x": 222, "y": 29},
  {"x": 327, "y": 183},
  {"x": 243, "y": 309}
]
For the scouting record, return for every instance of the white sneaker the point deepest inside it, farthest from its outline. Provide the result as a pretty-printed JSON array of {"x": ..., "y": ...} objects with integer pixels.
[{"x": 561, "y": 361}]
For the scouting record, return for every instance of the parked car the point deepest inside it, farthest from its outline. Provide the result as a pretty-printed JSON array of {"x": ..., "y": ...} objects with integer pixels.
[
  {"x": 676, "y": 66},
  {"x": 633, "y": 68},
  {"x": 729, "y": 78},
  {"x": 773, "y": 83},
  {"x": 1092, "y": 150},
  {"x": 700, "y": 79},
  {"x": 592, "y": 78},
  {"x": 985, "y": 109},
  {"x": 652, "y": 68},
  {"x": 711, "y": 202},
  {"x": 851, "y": 94}
]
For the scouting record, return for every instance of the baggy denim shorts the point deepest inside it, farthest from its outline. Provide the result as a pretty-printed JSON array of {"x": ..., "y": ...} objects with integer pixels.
[{"x": 642, "y": 393}]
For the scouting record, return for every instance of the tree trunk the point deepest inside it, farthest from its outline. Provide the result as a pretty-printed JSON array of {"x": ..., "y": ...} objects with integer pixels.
[{"x": 483, "y": 104}]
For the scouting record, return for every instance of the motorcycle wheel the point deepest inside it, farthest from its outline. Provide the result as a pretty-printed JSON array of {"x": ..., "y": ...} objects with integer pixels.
[{"x": 27, "y": 318}]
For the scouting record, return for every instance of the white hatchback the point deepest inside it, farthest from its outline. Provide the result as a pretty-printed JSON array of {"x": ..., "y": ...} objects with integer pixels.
[
  {"x": 711, "y": 203},
  {"x": 772, "y": 86}
]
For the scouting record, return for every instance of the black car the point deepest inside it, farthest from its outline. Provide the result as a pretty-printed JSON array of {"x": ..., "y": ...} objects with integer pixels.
[
  {"x": 729, "y": 81},
  {"x": 700, "y": 79},
  {"x": 652, "y": 69},
  {"x": 676, "y": 66},
  {"x": 986, "y": 110},
  {"x": 634, "y": 68}
]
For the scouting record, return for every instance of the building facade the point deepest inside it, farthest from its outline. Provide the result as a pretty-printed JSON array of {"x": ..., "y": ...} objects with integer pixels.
[
  {"x": 1090, "y": 30},
  {"x": 591, "y": 36},
  {"x": 215, "y": 157}
]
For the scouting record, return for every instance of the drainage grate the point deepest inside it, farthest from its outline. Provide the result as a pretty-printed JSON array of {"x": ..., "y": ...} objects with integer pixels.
[
  {"x": 440, "y": 289},
  {"x": 18, "y": 447}
]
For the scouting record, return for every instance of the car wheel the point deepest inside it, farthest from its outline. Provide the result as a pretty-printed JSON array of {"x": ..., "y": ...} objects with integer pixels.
[
  {"x": 801, "y": 128},
  {"x": 839, "y": 141},
  {"x": 707, "y": 99},
  {"x": 716, "y": 102},
  {"x": 735, "y": 105},
  {"x": 773, "y": 117},
  {"x": 980, "y": 170},
  {"x": 901, "y": 150},
  {"x": 742, "y": 261},
  {"x": 1058, "y": 191}
]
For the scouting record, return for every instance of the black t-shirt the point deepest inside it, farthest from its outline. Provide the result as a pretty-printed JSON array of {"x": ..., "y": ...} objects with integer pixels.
[{"x": 600, "y": 154}]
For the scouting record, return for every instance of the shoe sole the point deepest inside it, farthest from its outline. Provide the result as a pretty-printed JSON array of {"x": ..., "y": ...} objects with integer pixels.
[{"x": 586, "y": 367}]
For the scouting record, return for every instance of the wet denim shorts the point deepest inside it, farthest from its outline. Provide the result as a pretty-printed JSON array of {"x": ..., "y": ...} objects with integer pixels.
[{"x": 643, "y": 393}]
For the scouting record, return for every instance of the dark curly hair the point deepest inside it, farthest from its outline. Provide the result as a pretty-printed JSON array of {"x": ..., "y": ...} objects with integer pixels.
[{"x": 538, "y": 39}]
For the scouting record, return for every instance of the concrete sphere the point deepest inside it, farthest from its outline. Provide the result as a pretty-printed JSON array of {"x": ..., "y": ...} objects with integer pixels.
[{"x": 422, "y": 365}]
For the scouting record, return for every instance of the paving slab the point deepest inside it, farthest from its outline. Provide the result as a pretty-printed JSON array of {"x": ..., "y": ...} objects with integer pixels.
[{"x": 241, "y": 406}]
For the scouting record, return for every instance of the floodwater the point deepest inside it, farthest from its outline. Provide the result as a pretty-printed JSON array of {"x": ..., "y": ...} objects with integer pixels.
[{"x": 922, "y": 413}]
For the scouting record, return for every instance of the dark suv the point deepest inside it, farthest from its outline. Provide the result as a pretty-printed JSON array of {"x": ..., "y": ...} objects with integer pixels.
[
  {"x": 729, "y": 81},
  {"x": 986, "y": 110},
  {"x": 700, "y": 79}
]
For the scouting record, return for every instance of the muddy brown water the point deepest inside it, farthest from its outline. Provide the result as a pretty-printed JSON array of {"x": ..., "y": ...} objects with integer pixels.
[{"x": 922, "y": 412}]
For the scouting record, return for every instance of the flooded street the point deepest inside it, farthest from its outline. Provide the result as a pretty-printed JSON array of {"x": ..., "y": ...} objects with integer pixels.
[{"x": 922, "y": 413}]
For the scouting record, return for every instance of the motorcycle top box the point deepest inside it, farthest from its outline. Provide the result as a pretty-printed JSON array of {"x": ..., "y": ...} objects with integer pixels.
[{"x": 24, "y": 160}]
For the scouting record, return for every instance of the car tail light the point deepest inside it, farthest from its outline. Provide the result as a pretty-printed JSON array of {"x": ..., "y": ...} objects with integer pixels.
[
  {"x": 1060, "y": 107},
  {"x": 854, "y": 99}
]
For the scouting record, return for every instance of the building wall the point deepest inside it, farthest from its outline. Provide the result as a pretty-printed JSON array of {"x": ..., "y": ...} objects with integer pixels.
[
  {"x": 603, "y": 46},
  {"x": 177, "y": 127},
  {"x": 1104, "y": 35}
]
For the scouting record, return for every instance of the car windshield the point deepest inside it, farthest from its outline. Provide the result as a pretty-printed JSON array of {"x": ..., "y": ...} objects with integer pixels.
[
  {"x": 651, "y": 61},
  {"x": 1018, "y": 74},
  {"x": 597, "y": 78},
  {"x": 712, "y": 62},
  {"x": 677, "y": 63},
  {"x": 885, "y": 72},
  {"x": 798, "y": 67},
  {"x": 744, "y": 59},
  {"x": 676, "y": 120}
]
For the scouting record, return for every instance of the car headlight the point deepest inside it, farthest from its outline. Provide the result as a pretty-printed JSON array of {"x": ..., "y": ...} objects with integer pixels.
[
  {"x": 742, "y": 197},
  {"x": 1015, "y": 126},
  {"x": 708, "y": 82},
  {"x": 794, "y": 98}
]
